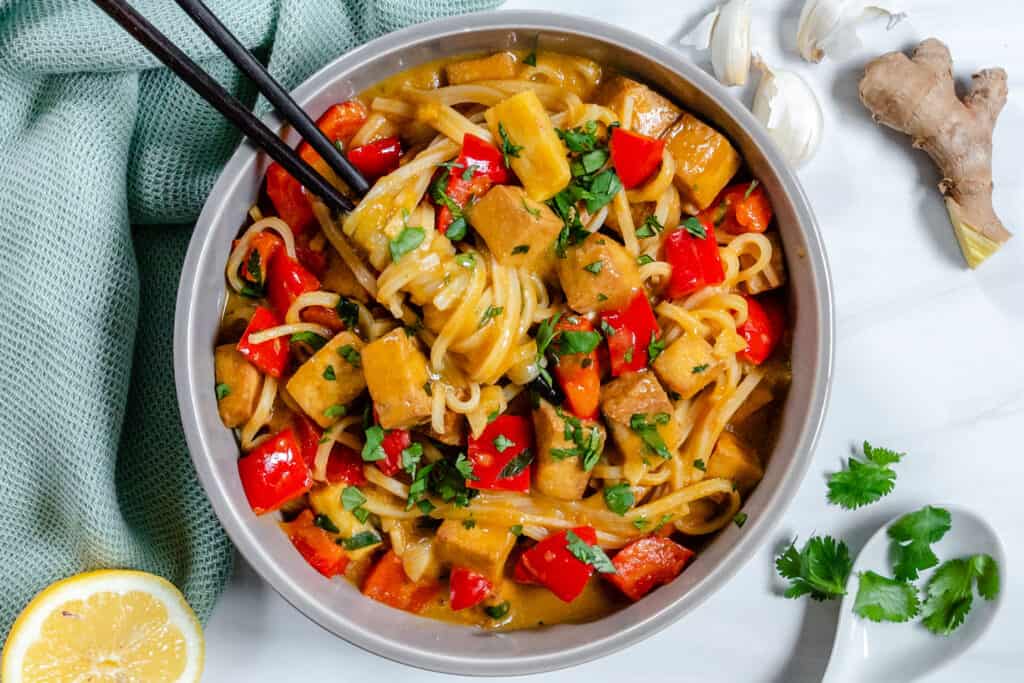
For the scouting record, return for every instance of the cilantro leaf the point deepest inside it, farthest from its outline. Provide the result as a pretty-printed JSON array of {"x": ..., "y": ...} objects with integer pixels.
[
  {"x": 314, "y": 340},
  {"x": 820, "y": 569},
  {"x": 589, "y": 554},
  {"x": 516, "y": 465},
  {"x": 223, "y": 391},
  {"x": 619, "y": 498},
  {"x": 373, "y": 448},
  {"x": 864, "y": 481},
  {"x": 348, "y": 311},
  {"x": 508, "y": 149},
  {"x": 577, "y": 341},
  {"x": 883, "y": 599},
  {"x": 361, "y": 540},
  {"x": 950, "y": 591},
  {"x": 912, "y": 535},
  {"x": 407, "y": 240}
]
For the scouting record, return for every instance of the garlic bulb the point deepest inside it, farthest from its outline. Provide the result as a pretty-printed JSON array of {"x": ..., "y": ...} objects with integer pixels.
[
  {"x": 789, "y": 109},
  {"x": 726, "y": 32},
  {"x": 830, "y": 26}
]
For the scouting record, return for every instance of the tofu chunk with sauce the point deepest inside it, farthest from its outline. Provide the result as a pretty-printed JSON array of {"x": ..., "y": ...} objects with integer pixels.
[
  {"x": 652, "y": 114},
  {"x": 500, "y": 66},
  {"x": 705, "y": 161},
  {"x": 240, "y": 384},
  {"x": 639, "y": 394},
  {"x": 687, "y": 365},
  {"x": 598, "y": 274},
  {"x": 482, "y": 548},
  {"x": 339, "y": 278},
  {"x": 519, "y": 231},
  {"x": 736, "y": 461},
  {"x": 396, "y": 372},
  {"x": 326, "y": 501},
  {"x": 562, "y": 478},
  {"x": 541, "y": 162},
  {"x": 331, "y": 377}
]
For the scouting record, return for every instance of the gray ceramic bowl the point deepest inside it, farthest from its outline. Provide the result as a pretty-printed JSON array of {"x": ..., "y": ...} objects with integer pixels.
[{"x": 337, "y": 605}]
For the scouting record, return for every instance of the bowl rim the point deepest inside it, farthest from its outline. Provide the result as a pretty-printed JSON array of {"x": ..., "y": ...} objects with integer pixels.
[{"x": 187, "y": 346}]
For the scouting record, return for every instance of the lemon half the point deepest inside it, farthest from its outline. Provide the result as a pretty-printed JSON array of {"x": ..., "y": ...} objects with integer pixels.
[{"x": 110, "y": 625}]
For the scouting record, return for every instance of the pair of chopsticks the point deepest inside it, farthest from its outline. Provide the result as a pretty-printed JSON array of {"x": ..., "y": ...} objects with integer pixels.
[{"x": 236, "y": 112}]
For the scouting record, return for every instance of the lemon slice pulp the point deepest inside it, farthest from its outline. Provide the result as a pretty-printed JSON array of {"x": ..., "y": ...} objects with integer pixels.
[{"x": 112, "y": 625}]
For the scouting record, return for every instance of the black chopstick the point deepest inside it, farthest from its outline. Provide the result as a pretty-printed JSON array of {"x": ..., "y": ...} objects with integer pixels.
[
  {"x": 272, "y": 90},
  {"x": 223, "y": 101}
]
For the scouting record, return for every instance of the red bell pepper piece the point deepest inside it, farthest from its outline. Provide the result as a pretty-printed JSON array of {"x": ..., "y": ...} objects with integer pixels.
[
  {"x": 633, "y": 329},
  {"x": 467, "y": 588},
  {"x": 488, "y": 168},
  {"x": 387, "y": 582},
  {"x": 308, "y": 435},
  {"x": 579, "y": 374},
  {"x": 695, "y": 260},
  {"x": 635, "y": 157},
  {"x": 339, "y": 123},
  {"x": 763, "y": 328},
  {"x": 551, "y": 564},
  {"x": 741, "y": 208},
  {"x": 648, "y": 562},
  {"x": 289, "y": 199},
  {"x": 316, "y": 545},
  {"x": 286, "y": 280},
  {"x": 501, "y": 450},
  {"x": 377, "y": 158},
  {"x": 274, "y": 472},
  {"x": 395, "y": 441},
  {"x": 345, "y": 466},
  {"x": 271, "y": 357}
]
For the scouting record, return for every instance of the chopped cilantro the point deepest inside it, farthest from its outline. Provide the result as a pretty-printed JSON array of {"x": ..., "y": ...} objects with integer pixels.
[
  {"x": 325, "y": 523},
  {"x": 516, "y": 529},
  {"x": 589, "y": 554},
  {"x": 373, "y": 449},
  {"x": 499, "y": 611},
  {"x": 619, "y": 498},
  {"x": 750, "y": 189},
  {"x": 577, "y": 341},
  {"x": 654, "y": 348},
  {"x": 411, "y": 456},
  {"x": 348, "y": 311},
  {"x": 314, "y": 340},
  {"x": 351, "y": 355},
  {"x": 336, "y": 410},
  {"x": 223, "y": 391},
  {"x": 650, "y": 227},
  {"x": 516, "y": 465},
  {"x": 739, "y": 519},
  {"x": 696, "y": 229},
  {"x": 594, "y": 268},
  {"x": 466, "y": 260},
  {"x": 329, "y": 373},
  {"x": 407, "y": 240},
  {"x": 520, "y": 249},
  {"x": 508, "y": 149},
  {"x": 530, "y": 210},
  {"x": 644, "y": 259},
  {"x": 697, "y": 369},
  {"x": 363, "y": 539},
  {"x": 502, "y": 443},
  {"x": 698, "y": 464},
  {"x": 491, "y": 312},
  {"x": 468, "y": 523}
]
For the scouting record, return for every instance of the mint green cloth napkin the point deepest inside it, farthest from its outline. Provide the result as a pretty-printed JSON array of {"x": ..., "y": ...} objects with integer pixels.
[{"x": 95, "y": 138}]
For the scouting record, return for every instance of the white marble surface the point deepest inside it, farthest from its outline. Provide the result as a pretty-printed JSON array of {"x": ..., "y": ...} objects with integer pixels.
[{"x": 928, "y": 361}]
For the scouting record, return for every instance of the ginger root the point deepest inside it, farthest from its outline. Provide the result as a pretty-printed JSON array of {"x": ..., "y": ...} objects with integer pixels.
[{"x": 917, "y": 96}]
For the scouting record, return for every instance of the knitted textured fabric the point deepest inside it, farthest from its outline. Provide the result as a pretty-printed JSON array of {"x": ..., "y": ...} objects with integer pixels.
[{"x": 94, "y": 138}]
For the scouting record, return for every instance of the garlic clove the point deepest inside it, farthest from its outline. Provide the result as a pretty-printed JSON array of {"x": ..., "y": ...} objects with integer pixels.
[
  {"x": 726, "y": 32},
  {"x": 829, "y": 27},
  {"x": 788, "y": 108}
]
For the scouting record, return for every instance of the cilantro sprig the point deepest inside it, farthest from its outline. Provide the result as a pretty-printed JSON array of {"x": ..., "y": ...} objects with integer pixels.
[
  {"x": 950, "y": 591},
  {"x": 912, "y": 536},
  {"x": 590, "y": 554},
  {"x": 820, "y": 569},
  {"x": 864, "y": 481}
]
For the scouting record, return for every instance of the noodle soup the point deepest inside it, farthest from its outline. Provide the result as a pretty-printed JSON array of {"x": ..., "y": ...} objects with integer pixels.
[{"x": 536, "y": 366}]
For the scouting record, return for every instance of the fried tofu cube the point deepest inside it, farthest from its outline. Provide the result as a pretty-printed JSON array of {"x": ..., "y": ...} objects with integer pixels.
[
  {"x": 239, "y": 385},
  {"x": 562, "y": 478},
  {"x": 598, "y": 274},
  {"x": 329, "y": 378},
  {"x": 653, "y": 114},
  {"x": 687, "y": 365},
  {"x": 326, "y": 501},
  {"x": 705, "y": 161},
  {"x": 736, "y": 461},
  {"x": 575, "y": 74},
  {"x": 396, "y": 372},
  {"x": 500, "y": 66},
  {"x": 481, "y": 548},
  {"x": 519, "y": 231},
  {"x": 541, "y": 162},
  {"x": 773, "y": 276},
  {"x": 639, "y": 394}
]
